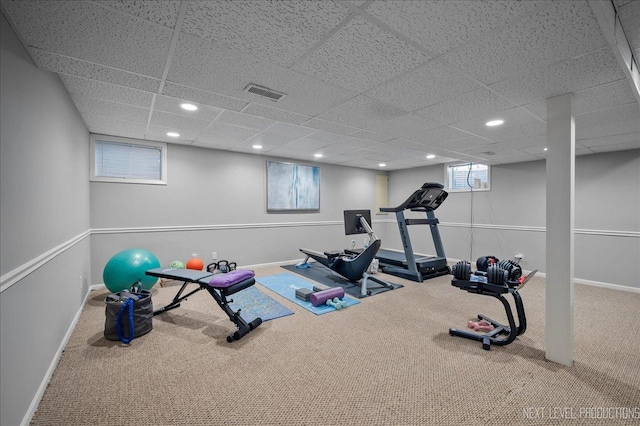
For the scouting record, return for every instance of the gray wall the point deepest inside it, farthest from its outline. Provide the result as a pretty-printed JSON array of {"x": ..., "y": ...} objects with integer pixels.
[
  {"x": 44, "y": 202},
  {"x": 222, "y": 195},
  {"x": 510, "y": 218}
]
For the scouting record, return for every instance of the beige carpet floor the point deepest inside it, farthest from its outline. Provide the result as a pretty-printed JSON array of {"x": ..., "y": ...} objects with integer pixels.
[{"x": 386, "y": 361}]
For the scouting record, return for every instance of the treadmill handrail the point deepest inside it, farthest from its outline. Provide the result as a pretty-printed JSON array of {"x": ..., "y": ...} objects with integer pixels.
[{"x": 429, "y": 197}]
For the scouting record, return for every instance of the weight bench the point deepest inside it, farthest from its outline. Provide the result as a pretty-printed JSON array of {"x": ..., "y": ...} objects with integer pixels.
[{"x": 219, "y": 286}]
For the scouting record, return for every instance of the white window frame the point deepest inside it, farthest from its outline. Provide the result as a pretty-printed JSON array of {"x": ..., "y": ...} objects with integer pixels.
[
  {"x": 125, "y": 141},
  {"x": 467, "y": 189}
]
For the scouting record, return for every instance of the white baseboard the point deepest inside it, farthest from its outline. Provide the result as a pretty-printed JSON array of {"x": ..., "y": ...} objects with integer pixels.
[
  {"x": 607, "y": 285},
  {"x": 54, "y": 364}
]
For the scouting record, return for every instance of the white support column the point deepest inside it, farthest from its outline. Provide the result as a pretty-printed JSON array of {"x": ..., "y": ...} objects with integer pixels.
[{"x": 560, "y": 230}]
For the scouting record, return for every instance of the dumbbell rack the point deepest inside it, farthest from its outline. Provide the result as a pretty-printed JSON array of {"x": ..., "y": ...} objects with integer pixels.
[{"x": 478, "y": 284}]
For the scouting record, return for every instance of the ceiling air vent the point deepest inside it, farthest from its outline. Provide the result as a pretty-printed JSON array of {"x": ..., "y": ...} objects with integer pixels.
[{"x": 264, "y": 92}]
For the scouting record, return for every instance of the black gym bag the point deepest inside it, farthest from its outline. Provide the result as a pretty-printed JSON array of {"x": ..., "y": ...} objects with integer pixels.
[{"x": 128, "y": 315}]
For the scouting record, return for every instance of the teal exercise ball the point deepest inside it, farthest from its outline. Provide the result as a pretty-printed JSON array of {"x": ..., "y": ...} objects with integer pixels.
[{"x": 128, "y": 267}]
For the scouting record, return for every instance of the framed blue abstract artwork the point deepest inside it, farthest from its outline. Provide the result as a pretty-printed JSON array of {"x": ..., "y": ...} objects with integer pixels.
[{"x": 292, "y": 187}]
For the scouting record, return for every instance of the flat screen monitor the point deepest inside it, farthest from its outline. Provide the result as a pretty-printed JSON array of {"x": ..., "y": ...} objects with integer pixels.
[{"x": 352, "y": 224}]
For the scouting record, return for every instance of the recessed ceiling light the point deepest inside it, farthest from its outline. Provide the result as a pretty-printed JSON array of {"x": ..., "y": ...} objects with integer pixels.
[
  {"x": 494, "y": 123},
  {"x": 546, "y": 149},
  {"x": 317, "y": 155},
  {"x": 382, "y": 165},
  {"x": 189, "y": 107},
  {"x": 257, "y": 146},
  {"x": 430, "y": 156},
  {"x": 173, "y": 134}
]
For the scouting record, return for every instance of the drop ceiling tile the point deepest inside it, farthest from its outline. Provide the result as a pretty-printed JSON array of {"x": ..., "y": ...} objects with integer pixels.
[
  {"x": 321, "y": 135},
  {"x": 512, "y": 117},
  {"x": 109, "y": 92},
  {"x": 360, "y": 56},
  {"x": 202, "y": 96},
  {"x": 617, "y": 147},
  {"x": 348, "y": 157},
  {"x": 362, "y": 111},
  {"x": 307, "y": 144},
  {"x": 291, "y": 152},
  {"x": 269, "y": 141},
  {"x": 538, "y": 151},
  {"x": 589, "y": 70},
  {"x": 441, "y": 134},
  {"x": 213, "y": 142},
  {"x": 410, "y": 126},
  {"x": 98, "y": 107},
  {"x": 604, "y": 141},
  {"x": 65, "y": 65},
  {"x": 422, "y": 148},
  {"x": 592, "y": 99},
  {"x": 570, "y": 29},
  {"x": 400, "y": 142},
  {"x": 276, "y": 32},
  {"x": 500, "y": 153},
  {"x": 172, "y": 105},
  {"x": 608, "y": 116},
  {"x": 336, "y": 150},
  {"x": 465, "y": 107},
  {"x": 440, "y": 26},
  {"x": 365, "y": 134},
  {"x": 160, "y": 12},
  {"x": 244, "y": 120},
  {"x": 177, "y": 122},
  {"x": 539, "y": 141},
  {"x": 366, "y": 154},
  {"x": 86, "y": 31},
  {"x": 427, "y": 85},
  {"x": 159, "y": 133},
  {"x": 629, "y": 14},
  {"x": 533, "y": 129},
  {"x": 631, "y": 126},
  {"x": 583, "y": 151},
  {"x": 330, "y": 126},
  {"x": 359, "y": 143},
  {"x": 225, "y": 134},
  {"x": 275, "y": 114},
  {"x": 400, "y": 153},
  {"x": 114, "y": 127},
  {"x": 208, "y": 66},
  {"x": 286, "y": 129},
  {"x": 461, "y": 144}
]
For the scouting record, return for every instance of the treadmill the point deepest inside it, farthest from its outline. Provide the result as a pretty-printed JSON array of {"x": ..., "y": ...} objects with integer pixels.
[{"x": 407, "y": 265}]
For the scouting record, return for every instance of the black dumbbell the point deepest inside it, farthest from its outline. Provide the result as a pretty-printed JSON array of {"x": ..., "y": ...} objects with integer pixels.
[
  {"x": 462, "y": 270},
  {"x": 484, "y": 262}
]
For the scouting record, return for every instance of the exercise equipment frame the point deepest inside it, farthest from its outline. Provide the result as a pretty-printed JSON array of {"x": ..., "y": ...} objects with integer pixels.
[
  {"x": 220, "y": 294},
  {"x": 417, "y": 268},
  {"x": 478, "y": 284}
]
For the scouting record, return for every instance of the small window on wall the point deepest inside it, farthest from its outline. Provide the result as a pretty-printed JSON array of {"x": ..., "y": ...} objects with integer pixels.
[
  {"x": 464, "y": 177},
  {"x": 128, "y": 160}
]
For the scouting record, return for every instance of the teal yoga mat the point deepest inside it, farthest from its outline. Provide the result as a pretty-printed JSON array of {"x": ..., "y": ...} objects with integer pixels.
[
  {"x": 319, "y": 273},
  {"x": 255, "y": 303},
  {"x": 286, "y": 284}
]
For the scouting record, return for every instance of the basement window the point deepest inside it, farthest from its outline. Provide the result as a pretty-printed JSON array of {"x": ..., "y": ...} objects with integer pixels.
[
  {"x": 128, "y": 161},
  {"x": 467, "y": 177}
]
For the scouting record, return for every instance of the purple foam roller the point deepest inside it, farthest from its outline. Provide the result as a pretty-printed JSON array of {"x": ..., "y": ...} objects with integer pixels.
[{"x": 320, "y": 297}]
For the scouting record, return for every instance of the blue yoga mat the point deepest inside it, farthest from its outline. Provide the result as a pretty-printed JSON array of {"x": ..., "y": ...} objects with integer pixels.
[
  {"x": 286, "y": 284},
  {"x": 255, "y": 303}
]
